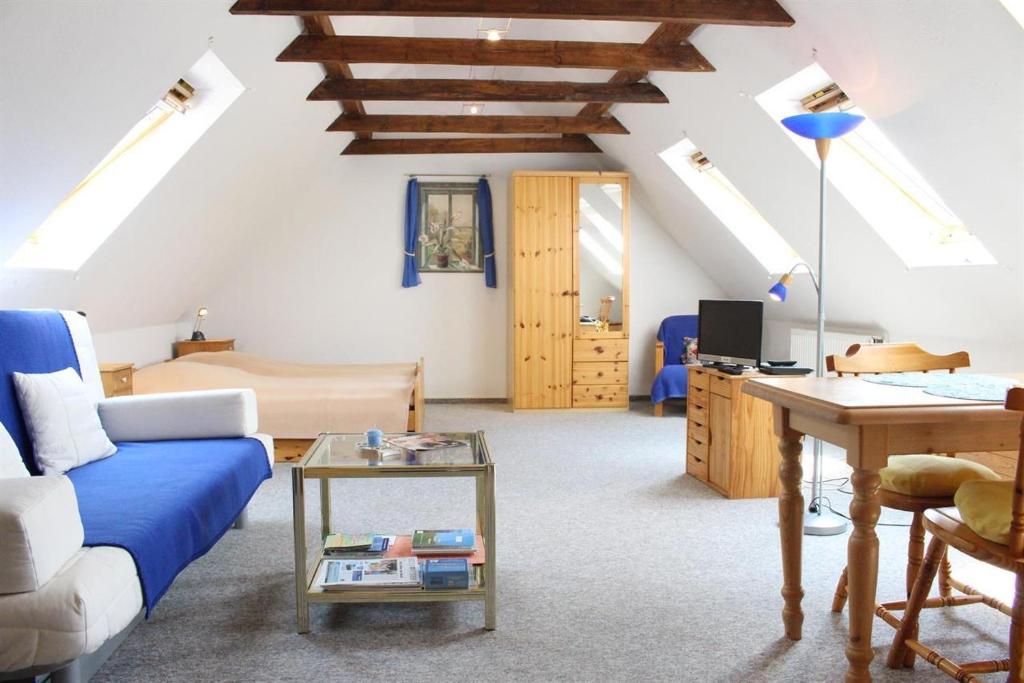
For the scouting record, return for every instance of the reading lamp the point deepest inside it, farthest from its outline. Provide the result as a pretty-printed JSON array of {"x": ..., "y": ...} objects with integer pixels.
[
  {"x": 197, "y": 334},
  {"x": 821, "y": 128}
]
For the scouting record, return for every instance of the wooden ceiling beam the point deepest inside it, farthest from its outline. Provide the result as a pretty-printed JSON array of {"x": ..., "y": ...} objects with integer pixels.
[
  {"x": 320, "y": 25},
  {"x": 666, "y": 34},
  {"x": 741, "y": 12},
  {"x": 471, "y": 90},
  {"x": 539, "y": 53},
  {"x": 496, "y": 125},
  {"x": 573, "y": 144}
]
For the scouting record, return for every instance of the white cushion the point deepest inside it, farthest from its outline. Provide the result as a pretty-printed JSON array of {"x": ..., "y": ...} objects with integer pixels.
[
  {"x": 61, "y": 419},
  {"x": 81, "y": 338},
  {"x": 11, "y": 464},
  {"x": 214, "y": 414},
  {"x": 39, "y": 530},
  {"x": 94, "y": 596}
]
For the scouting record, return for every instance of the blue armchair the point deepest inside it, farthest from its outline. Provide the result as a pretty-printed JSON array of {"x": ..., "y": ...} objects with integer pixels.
[{"x": 670, "y": 380}]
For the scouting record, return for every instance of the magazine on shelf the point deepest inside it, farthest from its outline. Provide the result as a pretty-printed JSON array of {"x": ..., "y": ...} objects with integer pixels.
[
  {"x": 425, "y": 442},
  {"x": 393, "y": 572},
  {"x": 357, "y": 546},
  {"x": 444, "y": 542}
]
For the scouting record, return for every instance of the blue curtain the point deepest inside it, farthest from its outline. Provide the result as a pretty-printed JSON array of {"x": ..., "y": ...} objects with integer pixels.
[
  {"x": 483, "y": 201},
  {"x": 410, "y": 276}
]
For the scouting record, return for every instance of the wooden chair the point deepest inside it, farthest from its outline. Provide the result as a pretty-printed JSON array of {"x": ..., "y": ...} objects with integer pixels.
[
  {"x": 904, "y": 357},
  {"x": 948, "y": 529}
]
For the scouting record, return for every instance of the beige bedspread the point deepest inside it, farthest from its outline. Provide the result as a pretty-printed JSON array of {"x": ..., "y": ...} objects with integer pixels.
[{"x": 295, "y": 401}]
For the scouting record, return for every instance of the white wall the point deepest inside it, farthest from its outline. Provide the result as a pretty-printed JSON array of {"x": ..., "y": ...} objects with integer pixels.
[
  {"x": 324, "y": 285},
  {"x": 141, "y": 345}
]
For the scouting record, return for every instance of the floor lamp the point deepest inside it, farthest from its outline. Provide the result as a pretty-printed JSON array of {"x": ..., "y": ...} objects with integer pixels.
[{"x": 821, "y": 128}]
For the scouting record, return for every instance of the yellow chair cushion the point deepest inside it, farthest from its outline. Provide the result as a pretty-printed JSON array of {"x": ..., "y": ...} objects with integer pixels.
[
  {"x": 931, "y": 476},
  {"x": 986, "y": 507}
]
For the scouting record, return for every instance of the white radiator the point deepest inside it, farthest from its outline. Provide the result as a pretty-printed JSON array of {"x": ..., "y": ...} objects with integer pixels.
[{"x": 803, "y": 343}]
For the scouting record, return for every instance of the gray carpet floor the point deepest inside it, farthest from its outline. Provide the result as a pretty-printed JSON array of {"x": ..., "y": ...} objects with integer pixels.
[{"x": 612, "y": 565}]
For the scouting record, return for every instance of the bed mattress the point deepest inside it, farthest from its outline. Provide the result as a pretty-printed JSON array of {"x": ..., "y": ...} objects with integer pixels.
[{"x": 295, "y": 401}]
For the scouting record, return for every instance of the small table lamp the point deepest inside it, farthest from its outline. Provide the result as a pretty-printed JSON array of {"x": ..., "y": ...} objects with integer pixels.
[{"x": 197, "y": 334}]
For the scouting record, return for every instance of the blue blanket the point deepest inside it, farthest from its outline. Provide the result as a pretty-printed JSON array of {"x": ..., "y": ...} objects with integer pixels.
[
  {"x": 167, "y": 502},
  {"x": 672, "y": 381},
  {"x": 30, "y": 342}
]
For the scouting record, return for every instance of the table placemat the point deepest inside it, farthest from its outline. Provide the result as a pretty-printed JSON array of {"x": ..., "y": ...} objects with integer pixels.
[
  {"x": 970, "y": 387},
  {"x": 901, "y": 379}
]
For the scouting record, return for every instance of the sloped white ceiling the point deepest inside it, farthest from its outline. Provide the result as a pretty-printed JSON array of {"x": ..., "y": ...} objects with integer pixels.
[{"x": 941, "y": 77}]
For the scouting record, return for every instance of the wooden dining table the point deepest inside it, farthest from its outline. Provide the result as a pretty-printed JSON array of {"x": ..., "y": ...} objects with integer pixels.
[{"x": 871, "y": 421}]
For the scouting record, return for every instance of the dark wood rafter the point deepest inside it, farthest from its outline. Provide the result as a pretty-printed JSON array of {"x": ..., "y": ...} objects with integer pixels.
[
  {"x": 666, "y": 34},
  {"x": 320, "y": 25},
  {"x": 570, "y": 144},
  {"x": 667, "y": 49},
  {"x": 471, "y": 90},
  {"x": 541, "y": 53},
  {"x": 738, "y": 12},
  {"x": 495, "y": 125}
]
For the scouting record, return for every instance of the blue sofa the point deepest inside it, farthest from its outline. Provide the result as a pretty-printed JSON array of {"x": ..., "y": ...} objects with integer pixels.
[{"x": 185, "y": 468}]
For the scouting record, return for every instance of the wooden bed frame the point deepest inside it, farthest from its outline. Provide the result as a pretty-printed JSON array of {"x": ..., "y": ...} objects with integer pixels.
[{"x": 288, "y": 450}]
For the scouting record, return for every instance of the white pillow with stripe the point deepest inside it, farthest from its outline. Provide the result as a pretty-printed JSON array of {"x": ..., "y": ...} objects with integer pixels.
[{"x": 62, "y": 422}]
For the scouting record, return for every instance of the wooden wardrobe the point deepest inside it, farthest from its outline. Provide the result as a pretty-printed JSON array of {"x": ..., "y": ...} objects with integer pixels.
[{"x": 569, "y": 308}]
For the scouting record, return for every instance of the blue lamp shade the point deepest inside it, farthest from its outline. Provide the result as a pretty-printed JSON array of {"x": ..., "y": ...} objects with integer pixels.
[
  {"x": 831, "y": 124},
  {"x": 777, "y": 292}
]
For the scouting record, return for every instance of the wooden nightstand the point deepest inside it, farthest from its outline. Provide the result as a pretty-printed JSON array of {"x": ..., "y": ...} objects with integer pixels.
[
  {"x": 187, "y": 346},
  {"x": 117, "y": 379}
]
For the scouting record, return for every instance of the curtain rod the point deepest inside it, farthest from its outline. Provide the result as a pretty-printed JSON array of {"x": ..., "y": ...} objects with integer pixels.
[{"x": 448, "y": 175}]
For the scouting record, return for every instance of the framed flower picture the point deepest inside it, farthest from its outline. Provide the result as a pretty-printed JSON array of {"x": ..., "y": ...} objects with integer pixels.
[{"x": 449, "y": 229}]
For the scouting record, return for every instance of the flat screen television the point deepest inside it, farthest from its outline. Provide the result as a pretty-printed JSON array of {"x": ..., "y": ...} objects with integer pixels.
[{"x": 729, "y": 332}]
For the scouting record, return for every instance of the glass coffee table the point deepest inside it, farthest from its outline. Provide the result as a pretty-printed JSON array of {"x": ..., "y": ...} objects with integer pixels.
[{"x": 336, "y": 456}]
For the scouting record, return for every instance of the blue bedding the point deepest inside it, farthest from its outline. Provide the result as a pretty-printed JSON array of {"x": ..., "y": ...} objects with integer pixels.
[{"x": 167, "y": 502}]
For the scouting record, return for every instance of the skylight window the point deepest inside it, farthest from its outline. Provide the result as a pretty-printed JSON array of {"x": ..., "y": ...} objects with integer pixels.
[
  {"x": 1016, "y": 9},
  {"x": 731, "y": 207},
  {"x": 136, "y": 164},
  {"x": 877, "y": 179}
]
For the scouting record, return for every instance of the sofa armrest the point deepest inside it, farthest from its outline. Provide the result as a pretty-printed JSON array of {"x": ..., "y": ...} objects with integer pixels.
[
  {"x": 40, "y": 529},
  {"x": 215, "y": 414},
  {"x": 659, "y": 357}
]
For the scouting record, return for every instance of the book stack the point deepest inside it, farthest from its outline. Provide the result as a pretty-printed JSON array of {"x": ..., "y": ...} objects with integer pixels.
[
  {"x": 358, "y": 561},
  {"x": 444, "y": 542},
  {"x": 357, "y": 546}
]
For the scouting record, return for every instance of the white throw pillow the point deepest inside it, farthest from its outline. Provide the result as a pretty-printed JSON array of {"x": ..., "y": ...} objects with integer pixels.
[
  {"x": 62, "y": 420},
  {"x": 11, "y": 464}
]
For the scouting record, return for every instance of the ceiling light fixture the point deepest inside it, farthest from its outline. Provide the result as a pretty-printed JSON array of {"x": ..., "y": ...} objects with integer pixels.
[
  {"x": 494, "y": 35},
  {"x": 472, "y": 108}
]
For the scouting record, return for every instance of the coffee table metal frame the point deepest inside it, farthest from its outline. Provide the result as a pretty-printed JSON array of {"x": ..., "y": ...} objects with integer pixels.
[{"x": 312, "y": 466}]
